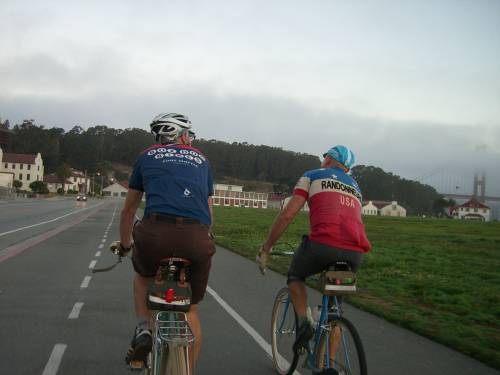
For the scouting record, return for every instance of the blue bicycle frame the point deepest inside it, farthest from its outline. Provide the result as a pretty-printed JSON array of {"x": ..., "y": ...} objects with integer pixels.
[{"x": 321, "y": 326}]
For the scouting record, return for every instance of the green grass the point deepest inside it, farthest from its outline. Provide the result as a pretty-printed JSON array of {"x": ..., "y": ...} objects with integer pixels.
[{"x": 437, "y": 277}]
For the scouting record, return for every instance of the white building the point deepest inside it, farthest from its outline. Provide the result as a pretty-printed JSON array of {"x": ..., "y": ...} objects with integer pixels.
[
  {"x": 7, "y": 180},
  {"x": 472, "y": 210},
  {"x": 26, "y": 168},
  {"x": 54, "y": 183},
  {"x": 383, "y": 208},
  {"x": 369, "y": 209},
  {"x": 393, "y": 209},
  {"x": 233, "y": 195},
  {"x": 79, "y": 181},
  {"x": 116, "y": 190}
]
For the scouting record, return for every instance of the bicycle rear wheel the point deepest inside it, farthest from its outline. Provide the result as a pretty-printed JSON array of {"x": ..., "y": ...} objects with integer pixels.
[
  {"x": 341, "y": 340},
  {"x": 283, "y": 333}
]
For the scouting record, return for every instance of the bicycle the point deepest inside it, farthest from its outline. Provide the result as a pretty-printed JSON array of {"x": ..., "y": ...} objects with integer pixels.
[
  {"x": 336, "y": 346},
  {"x": 169, "y": 298}
]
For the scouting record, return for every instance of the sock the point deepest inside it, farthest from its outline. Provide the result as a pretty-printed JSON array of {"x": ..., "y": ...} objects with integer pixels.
[{"x": 142, "y": 324}]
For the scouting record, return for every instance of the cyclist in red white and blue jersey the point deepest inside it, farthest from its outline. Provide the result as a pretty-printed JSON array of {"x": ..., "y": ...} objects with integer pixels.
[{"x": 336, "y": 232}]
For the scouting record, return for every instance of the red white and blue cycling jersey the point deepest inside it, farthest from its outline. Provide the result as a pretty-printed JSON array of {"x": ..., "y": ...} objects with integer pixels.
[
  {"x": 177, "y": 180},
  {"x": 334, "y": 200}
]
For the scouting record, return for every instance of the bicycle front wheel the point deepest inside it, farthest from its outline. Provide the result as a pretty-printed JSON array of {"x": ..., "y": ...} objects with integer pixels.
[
  {"x": 283, "y": 333},
  {"x": 340, "y": 348}
]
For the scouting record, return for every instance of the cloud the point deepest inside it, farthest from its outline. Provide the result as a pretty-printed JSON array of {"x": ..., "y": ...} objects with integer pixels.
[{"x": 442, "y": 154}]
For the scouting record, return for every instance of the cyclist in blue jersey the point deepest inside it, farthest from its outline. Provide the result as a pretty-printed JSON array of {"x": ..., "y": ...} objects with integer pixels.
[
  {"x": 177, "y": 181},
  {"x": 336, "y": 230}
]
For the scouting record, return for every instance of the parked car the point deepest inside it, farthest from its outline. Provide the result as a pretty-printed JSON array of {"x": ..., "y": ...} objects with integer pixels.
[{"x": 81, "y": 197}]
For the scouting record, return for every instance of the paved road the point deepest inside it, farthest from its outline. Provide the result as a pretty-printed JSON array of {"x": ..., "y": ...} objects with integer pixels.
[{"x": 58, "y": 317}]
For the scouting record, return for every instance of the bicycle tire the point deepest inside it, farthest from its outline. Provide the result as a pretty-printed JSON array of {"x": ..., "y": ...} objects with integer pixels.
[
  {"x": 283, "y": 333},
  {"x": 350, "y": 357}
]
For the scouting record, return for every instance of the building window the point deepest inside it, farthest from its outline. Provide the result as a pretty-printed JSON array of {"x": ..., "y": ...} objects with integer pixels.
[
  {"x": 38, "y": 167},
  {"x": 13, "y": 166},
  {"x": 29, "y": 167},
  {"x": 6, "y": 165},
  {"x": 476, "y": 210},
  {"x": 20, "y": 176},
  {"x": 28, "y": 177},
  {"x": 37, "y": 177},
  {"x": 21, "y": 166}
]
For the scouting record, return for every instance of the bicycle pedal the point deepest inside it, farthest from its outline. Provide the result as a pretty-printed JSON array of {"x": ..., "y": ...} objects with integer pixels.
[{"x": 136, "y": 365}]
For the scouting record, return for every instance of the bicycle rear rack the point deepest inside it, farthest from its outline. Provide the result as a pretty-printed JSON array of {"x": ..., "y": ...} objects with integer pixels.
[{"x": 173, "y": 328}]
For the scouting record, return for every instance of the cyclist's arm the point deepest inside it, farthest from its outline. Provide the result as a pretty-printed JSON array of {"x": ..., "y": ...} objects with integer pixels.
[
  {"x": 128, "y": 215},
  {"x": 283, "y": 221}
]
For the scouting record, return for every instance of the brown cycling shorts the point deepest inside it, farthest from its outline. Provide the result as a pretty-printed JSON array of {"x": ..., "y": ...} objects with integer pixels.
[{"x": 155, "y": 239}]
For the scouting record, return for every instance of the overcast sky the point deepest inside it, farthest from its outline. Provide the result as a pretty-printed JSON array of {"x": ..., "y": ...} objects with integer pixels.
[{"x": 411, "y": 86}]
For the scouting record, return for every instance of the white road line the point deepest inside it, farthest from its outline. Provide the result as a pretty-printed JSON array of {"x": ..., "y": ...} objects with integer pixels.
[
  {"x": 92, "y": 264},
  {"x": 242, "y": 322},
  {"x": 98, "y": 254},
  {"x": 48, "y": 221},
  {"x": 85, "y": 282},
  {"x": 75, "y": 312},
  {"x": 54, "y": 360},
  {"x": 103, "y": 240},
  {"x": 101, "y": 246}
]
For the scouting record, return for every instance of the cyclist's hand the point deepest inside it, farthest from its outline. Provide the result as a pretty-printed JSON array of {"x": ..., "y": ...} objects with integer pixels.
[
  {"x": 262, "y": 259},
  {"x": 117, "y": 248}
]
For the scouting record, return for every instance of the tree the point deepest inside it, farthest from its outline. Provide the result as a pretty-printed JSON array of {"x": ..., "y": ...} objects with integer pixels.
[
  {"x": 39, "y": 187},
  {"x": 17, "y": 184}
]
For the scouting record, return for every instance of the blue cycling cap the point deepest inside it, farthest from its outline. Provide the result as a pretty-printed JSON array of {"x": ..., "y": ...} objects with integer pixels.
[{"x": 342, "y": 154}]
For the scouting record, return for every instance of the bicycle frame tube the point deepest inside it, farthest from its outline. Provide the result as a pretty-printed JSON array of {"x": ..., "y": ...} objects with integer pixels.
[
  {"x": 323, "y": 321},
  {"x": 287, "y": 305}
]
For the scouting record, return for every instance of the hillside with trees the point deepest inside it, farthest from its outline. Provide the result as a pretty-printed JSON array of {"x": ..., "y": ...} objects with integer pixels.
[{"x": 113, "y": 152}]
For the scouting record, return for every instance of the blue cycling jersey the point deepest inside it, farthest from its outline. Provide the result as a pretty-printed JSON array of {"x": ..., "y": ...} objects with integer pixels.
[{"x": 176, "y": 179}]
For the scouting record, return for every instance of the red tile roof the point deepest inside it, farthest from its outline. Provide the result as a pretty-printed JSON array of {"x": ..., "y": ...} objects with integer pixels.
[
  {"x": 53, "y": 179},
  {"x": 473, "y": 203},
  {"x": 18, "y": 158}
]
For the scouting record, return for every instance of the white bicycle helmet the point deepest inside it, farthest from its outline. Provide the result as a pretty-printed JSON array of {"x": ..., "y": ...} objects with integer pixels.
[{"x": 167, "y": 127}]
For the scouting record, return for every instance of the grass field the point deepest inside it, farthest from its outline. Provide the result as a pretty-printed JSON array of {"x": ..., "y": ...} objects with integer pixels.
[{"x": 437, "y": 277}]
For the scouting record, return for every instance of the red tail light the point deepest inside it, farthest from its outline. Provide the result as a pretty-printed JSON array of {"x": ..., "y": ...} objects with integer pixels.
[{"x": 169, "y": 295}]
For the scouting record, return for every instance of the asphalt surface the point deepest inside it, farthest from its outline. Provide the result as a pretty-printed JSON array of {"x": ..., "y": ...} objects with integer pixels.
[{"x": 56, "y": 317}]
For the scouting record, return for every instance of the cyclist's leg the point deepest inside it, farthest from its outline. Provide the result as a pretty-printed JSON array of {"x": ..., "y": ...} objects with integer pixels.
[
  {"x": 200, "y": 251},
  {"x": 140, "y": 296},
  {"x": 298, "y": 293},
  {"x": 305, "y": 263},
  {"x": 195, "y": 325}
]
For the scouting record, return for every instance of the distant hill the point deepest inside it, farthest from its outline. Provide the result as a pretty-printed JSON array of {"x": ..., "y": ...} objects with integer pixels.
[{"x": 260, "y": 168}]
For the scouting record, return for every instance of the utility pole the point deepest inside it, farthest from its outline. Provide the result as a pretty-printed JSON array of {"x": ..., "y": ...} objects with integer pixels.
[{"x": 102, "y": 177}]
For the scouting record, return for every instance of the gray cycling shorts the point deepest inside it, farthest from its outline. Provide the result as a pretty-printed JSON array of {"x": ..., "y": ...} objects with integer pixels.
[{"x": 311, "y": 258}]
